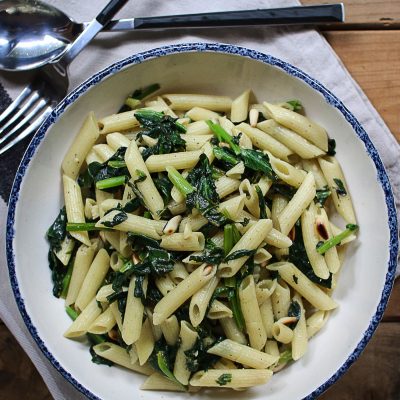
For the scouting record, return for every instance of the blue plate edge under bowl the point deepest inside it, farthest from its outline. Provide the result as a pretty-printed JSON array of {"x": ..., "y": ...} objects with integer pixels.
[{"x": 233, "y": 50}]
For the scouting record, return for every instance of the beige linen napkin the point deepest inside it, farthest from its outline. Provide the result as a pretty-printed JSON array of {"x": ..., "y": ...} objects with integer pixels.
[{"x": 305, "y": 48}]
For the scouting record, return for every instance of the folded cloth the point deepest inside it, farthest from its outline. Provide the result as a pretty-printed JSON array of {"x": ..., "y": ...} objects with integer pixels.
[{"x": 304, "y": 48}]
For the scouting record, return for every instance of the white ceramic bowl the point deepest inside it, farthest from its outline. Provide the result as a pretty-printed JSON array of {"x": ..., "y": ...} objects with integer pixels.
[{"x": 365, "y": 281}]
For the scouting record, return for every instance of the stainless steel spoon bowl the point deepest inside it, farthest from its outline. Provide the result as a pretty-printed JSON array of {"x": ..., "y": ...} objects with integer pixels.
[{"x": 33, "y": 33}]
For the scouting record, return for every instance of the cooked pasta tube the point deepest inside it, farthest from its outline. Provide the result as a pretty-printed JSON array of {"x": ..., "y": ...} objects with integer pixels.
[
  {"x": 164, "y": 284},
  {"x": 305, "y": 127},
  {"x": 313, "y": 166},
  {"x": 231, "y": 378},
  {"x": 316, "y": 322},
  {"x": 91, "y": 209},
  {"x": 81, "y": 325},
  {"x": 188, "y": 337},
  {"x": 264, "y": 290},
  {"x": 200, "y": 300},
  {"x": 177, "y": 242},
  {"x": 189, "y": 286},
  {"x": 251, "y": 313},
  {"x": 170, "y": 330},
  {"x": 267, "y": 316},
  {"x": 240, "y": 106},
  {"x": 157, "y": 381},
  {"x": 261, "y": 256},
  {"x": 134, "y": 223},
  {"x": 290, "y": 139},
  {"x": 300, "y": 337},
  {"x": 201, "y": 114},
  {"x": 185, "y": 101},
  {"x": 232, "y": 331},
  {"x": 180, "y": 160},
  {"x": 298, "y": 281},
  {"x": 198, "y": 128},
  {"x": 179, "y": 273},
  {"x": 226, "y": 185},
  {"x": 118, "y": 122},
  {"x": 281, "y": 332},
  {"x": 236, "y": 171},
  {"x": 116, "y": 140},
  {"x": 219, "y": 310},
  {"x": 83, "y": 259},
  {"x": 279, "y": 203},
  {"x": 120, "y": 356},
  {"x": 195, "y": 142},
  {"x": 93, "y": 279},
  {"x": 157, "y": 332},
  {"x": 286, "y": 172},
  {"x": 277, "y": 239},
  {"x": 104, "y": 151},
  {"x": 264, "y": 141},
  {"x": 103, "y": 323},
  {"x": 310, "y": 239},
  {"x": 132, "y": 323},
  {"x": 249, "y": 241},
  {"x": 280, "y": 298},
  {"x": 145, "y": 344},
  {"x": 117, "y": 314},
  {"x": 338, "y": 187},
  {"x": 147, "y": 188},
  {"x": 74, "y": 207},
  {"x": 65, "y": 252},
  {"x": 80, "y": 147},
  {"x": 242, "y": 354},
  {"x": 104, "y": 292},
  {"x": 296, "y": 206}
]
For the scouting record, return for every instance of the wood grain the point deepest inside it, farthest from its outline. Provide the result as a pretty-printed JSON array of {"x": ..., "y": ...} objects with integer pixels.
[
  {"x": 373, "y": 59},
  {"x": 381, "y": 13},
  {"x": 376, "y": 375}
]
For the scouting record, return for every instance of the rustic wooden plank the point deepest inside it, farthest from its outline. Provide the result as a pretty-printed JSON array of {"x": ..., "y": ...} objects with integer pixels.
[
  {"x": 373, "y": 59},
  {"x": 392, "y": 312},
  {"x": 383, "y": 13},
  {"x": 376, "y": 375},
  {"x": 19, "y": 378}
]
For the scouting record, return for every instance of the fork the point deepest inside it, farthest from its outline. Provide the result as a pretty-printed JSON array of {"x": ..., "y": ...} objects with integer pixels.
[{"x": 35, "y": 103}]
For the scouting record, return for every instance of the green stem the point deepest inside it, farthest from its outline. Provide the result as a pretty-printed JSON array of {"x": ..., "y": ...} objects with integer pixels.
[
  {"x": 82, "y": 226},
  {"x": 236, "y": 309},
  {"x": 335, "y": 240},
  {"x": 67, "y": 280},
  {"x": 117, "y": 164},
  {"x": 228, "y": 239},
  {"x": 132, "y": 103},
  {"x": 223, "y": 136},
  {"x": 71, "y": 313},
  {"x": 148, "y": 90},
  {"x": 111, "y": 182},
  {"x": 179, "y": 181}
]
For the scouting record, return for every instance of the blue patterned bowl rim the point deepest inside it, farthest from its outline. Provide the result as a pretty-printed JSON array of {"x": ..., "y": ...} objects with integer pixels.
[{"x": 217, "y": 48}]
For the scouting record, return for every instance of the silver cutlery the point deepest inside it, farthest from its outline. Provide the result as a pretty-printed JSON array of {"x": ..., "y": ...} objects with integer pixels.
[
  {"x": 35, "y": 33},
  {"x": 26, "y": 113}
]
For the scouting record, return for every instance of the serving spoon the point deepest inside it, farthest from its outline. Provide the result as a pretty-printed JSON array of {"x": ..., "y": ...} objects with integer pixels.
[{"x": 33, "y": 33}]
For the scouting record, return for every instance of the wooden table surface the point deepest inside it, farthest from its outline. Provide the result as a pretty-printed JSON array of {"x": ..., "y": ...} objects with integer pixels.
[{"x": 369, "y": 45}]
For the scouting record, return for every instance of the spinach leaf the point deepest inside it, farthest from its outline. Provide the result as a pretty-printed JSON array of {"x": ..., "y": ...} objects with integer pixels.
[
  {"x": 139, "y": 291},
  {"x": 258, "y": 161},
  {"x": 340, "y": 189},
  {"x": 238, "y": 254},
  {"x": 58, "y": 272},
  {"x": 331, "y": 147},
  {"x": 294, "y": 311},
  {"x": 137, "y": 95},
  {"x": 212, "y": 254},
  {"x": 138, "y": 240},
  {"x": 117, "y": 219},
  {"x": 197, "y": 357},
  {"x": 58, "y": 230},
  {"x": 161, "y": 127},
  {"x": 295, "y": 105},
  {"x": 205, "y": 198},
  {"x": 164, "y": 186},
  {"x": 298, "y": 256},
  {"x": 282, "y": 189},
  {"x": 98, "y": 359},
  {"x": 322, "y": 195},
  {"x": 285, "y": 357},
  {"x": 261, "y": 203},
  {"x": 225, "y": 155},
  {"x": 223, "y": 379}
]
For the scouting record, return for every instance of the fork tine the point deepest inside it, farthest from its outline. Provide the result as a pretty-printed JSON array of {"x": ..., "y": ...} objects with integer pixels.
[
  {"x": 29, "y": 130},
  {"x": 25, "y": 107},
  {"x": 27, "y": 120},
  {"x": 16, "y": 103}
]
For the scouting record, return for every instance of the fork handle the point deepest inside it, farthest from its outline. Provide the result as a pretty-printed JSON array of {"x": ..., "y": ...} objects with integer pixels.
[
  {"x": 90, "y": 31},
  {"x": 320, "y": 14}
]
